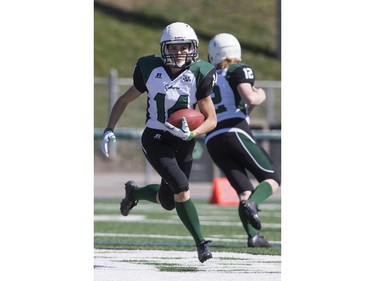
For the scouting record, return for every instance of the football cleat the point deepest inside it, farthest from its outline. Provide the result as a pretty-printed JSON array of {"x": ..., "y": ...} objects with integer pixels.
[
  {"x": 204, "y": 251},
  {"x": 258, "y": 241},
  {"x": 251, "y": 211},
  {"x": 127, "y": 204}
]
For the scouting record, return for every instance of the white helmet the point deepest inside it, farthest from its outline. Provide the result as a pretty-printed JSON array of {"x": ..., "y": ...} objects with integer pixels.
[
  {"x": 222, "y": 46},
  {"x": 178, "y": 33}
]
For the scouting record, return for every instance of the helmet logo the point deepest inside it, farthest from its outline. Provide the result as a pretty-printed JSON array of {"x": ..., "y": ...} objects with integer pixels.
[{"x": 178, "y": 38}]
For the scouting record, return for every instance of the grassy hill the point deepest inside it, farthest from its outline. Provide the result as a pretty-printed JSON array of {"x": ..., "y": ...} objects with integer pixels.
[{"x": 126, "y": 30}]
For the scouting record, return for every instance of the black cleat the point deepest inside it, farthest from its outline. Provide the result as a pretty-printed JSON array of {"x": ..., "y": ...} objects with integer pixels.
[
  {"x": 251, "y": 210},
  {"x": 127, "y": 204},
  {"x": 204, "y": 251},
  {"x": 258, "y": 241}
]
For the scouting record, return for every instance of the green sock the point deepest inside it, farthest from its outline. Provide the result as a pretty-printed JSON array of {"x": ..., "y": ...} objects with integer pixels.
[
  {"x": 251, "y": 231},
  {"x": 261, "y": 193},
  {"x": 147, "y": 193},
  {"x": 189, "y": 217}
]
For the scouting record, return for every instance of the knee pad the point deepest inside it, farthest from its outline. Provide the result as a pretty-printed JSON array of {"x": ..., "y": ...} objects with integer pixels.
[
  {"x": 168, "y": 205},
  {"x": 166, "y": 198}
]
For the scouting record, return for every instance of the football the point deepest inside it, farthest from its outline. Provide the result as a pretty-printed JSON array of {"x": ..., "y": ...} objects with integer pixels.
[{"x": 193, "y": 117}]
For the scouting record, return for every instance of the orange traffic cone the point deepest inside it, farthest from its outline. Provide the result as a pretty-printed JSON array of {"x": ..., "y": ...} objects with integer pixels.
[{"x": 223, "y": 193}]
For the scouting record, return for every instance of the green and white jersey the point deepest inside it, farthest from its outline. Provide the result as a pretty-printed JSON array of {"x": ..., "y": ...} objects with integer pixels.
[
  {"x": 168, "y": 93},
  {"x": 227, "y": 100}
]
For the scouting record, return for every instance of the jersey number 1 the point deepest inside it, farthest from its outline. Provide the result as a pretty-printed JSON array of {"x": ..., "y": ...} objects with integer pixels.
[{"x": 182, "y": 102}]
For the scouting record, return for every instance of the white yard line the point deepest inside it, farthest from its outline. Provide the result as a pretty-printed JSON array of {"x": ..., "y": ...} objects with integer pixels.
[
  {"x": 172, "y": 220},
  {"x": 142, "y": 265},
  {"x": 216, "y": 238}
]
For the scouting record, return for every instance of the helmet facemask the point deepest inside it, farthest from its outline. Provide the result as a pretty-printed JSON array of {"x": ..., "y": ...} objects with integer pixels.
[{"x": 171, "y": 59}]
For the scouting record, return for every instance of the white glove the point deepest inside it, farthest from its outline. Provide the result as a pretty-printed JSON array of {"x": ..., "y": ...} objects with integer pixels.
[
  {"x": 108, "y": 136},
  {"x": 183, "y": 133}
]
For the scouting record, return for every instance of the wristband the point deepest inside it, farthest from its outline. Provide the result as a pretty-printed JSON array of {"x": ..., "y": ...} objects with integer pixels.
[{"x": 191, "y": 136}]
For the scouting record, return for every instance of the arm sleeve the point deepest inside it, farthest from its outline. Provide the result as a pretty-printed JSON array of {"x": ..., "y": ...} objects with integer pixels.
[
  {"x": 205, "y": 87},
  {"x": 138, "y": 81}
]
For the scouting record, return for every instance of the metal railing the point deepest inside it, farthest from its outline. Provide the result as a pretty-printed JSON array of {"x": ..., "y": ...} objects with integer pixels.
[
  {"x": 272, "y": 88},
  {"x": 267, "y": 132}
]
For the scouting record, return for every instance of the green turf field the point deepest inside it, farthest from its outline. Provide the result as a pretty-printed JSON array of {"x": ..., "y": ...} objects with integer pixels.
[{"x": 149, "y": 227}]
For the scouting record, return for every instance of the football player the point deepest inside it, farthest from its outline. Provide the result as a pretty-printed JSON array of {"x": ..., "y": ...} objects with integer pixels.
[
  {"x": 172, "y": 81},
  {"x": 231, "y": 144}
]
